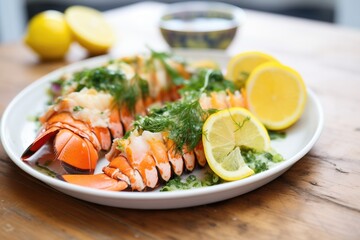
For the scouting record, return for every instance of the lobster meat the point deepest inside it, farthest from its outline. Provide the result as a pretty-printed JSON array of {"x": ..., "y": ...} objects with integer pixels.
[
  {"x": 96, "y": 112},
  {"x": 144, "y": 160},
  {"x": 76, "y": 139},
  {"x": 82, "y": 123}
]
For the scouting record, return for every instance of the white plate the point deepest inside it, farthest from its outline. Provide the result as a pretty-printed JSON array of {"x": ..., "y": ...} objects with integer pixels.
[{"x": 17, "y": 132}]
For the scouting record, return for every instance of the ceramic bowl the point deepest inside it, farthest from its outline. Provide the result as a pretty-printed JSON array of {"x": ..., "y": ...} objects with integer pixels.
[{"x": 200, "y": 24}]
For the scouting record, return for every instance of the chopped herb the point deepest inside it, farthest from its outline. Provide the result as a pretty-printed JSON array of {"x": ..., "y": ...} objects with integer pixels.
[
  {"x": 33, "y": 118},
  {"x": 125, "y": 91},
  {"x": 190, "y": 182},
  {"x": 126, "y": 135},
  {"x": 36, "y": 120},
  {"x": 211, "y": 179},
  {"x": 44, "y": 169},
  {"x": 120, "y": 145},
  {"x": 101, "y": 79},
  {"x": 277, "y": 158},
  {"x": 77, "y": 108},
  {"x": 260, "y": 161},
  {"x": 276, "y": 135}
]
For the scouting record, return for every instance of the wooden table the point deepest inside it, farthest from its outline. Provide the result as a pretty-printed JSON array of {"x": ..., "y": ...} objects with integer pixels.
[{"x": 319, "y": 197}]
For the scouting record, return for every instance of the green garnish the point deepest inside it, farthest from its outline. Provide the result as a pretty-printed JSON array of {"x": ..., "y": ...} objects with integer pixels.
[
  {"x": 183, "y": 120},
  {"x": 101, "y": 79},
  {"x": 78, "y": 108},
  {"x": 36, "y": 120},
  {"x": 276, "y": 135},
  {"x": 191, "y": 181},
  {"x": 44, "y": 169},
  {"x": 125, "y": 91},
  {"x": 208, "y": 81},
  {"x": 260, "y": 161},
  {"x": 163, "y": 57},
  {"x": 240, "y": 124}
]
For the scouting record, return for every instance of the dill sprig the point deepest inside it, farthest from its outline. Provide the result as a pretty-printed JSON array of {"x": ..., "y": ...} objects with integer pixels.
[
  {"x": 183, "y": 120},
  {"x": 163, "y": 57},
  {"x": 206, "y": 80},
  {"x": 135, "y": 89}
]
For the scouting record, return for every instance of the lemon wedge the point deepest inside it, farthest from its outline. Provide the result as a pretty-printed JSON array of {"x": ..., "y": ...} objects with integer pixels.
[
  {"x": 224, "y": 133},
  {"x": 90, "y": 29},
  {"x": 276, "y": 95},
  {"x": 48, "y": 35},
  {"x": 241, "y": 65}
]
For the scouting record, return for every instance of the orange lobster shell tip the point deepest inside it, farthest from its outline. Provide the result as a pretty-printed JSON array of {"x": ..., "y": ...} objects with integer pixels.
[
  {"x": 76, "y": 154},
  {"x": 98, "y": 181},
  {"x": 74, "y": 144}
]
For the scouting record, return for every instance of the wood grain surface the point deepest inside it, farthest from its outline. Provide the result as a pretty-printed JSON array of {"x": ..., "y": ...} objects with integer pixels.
[{"x": 318, "y": 198}]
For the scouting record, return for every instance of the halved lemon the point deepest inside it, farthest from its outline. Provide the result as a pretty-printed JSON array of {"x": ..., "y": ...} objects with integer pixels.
[
  {"x": 276, "y": 95},
  {"x": 225, "y": 132},
  {"x": 241, "y": 65},
  {"x": 90, "y": 29}
]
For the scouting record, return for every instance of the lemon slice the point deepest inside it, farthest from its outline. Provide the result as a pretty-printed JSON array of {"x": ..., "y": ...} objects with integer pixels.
[
  {"x": 224, "y": 133},
  {"x": 276, "y": 95},
  {"x": 90, "y": 29},
  {"x": 241, "y": 65}
]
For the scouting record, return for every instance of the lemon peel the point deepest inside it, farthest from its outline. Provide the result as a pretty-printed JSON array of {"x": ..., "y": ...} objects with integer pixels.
[
  {"x": 48, "y": 35},
  {"x": 224, "y": 133},
  {"x": 90, "y": 29}
]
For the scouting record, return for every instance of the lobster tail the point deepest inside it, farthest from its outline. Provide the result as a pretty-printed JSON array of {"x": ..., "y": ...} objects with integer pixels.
[
  {"x": 73, "y": 143},
  {"x": 76, "y": 154}
]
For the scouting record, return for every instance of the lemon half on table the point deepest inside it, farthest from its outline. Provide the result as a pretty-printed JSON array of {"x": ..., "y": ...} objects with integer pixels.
[
  {"x": 224, "y": 133},
  {"x": 90, "y": 29}
]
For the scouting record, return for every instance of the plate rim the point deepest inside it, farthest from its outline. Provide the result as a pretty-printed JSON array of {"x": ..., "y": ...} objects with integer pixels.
[{"x": 58, "y": 184}]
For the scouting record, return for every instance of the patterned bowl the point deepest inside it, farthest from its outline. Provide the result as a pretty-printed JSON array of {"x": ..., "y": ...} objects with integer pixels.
[{"x": 200, "y": 24}]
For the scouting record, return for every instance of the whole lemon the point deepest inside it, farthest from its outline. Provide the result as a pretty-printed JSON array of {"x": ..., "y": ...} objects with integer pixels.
[{"x": 49, "y": 35}]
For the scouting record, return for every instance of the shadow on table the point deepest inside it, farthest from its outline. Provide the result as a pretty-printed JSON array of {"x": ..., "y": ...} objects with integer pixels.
[{"x": 66, "y": 216}]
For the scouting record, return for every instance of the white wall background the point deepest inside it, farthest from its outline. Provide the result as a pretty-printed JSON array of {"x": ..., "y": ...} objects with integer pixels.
[
  {"x": 348, "y": 13},
  {"x": 12, "y": 20}
]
